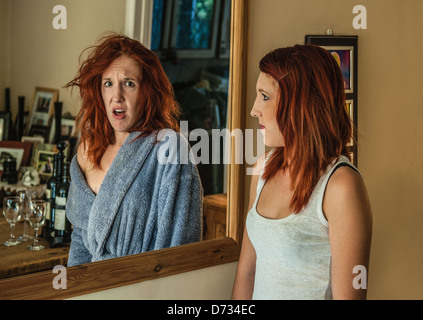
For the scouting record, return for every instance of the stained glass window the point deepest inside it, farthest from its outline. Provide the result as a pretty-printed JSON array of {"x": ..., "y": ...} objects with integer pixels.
[
  {"x": 157, "y": 33},
  {"x": 188, "y": 26},
  {"x": 195, "y": 22}
]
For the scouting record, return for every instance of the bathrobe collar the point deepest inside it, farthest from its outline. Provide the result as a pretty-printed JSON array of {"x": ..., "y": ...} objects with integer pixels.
[{"x": 119, "y": 178}]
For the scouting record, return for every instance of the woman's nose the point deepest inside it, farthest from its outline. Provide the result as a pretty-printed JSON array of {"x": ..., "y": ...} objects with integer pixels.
[
  {"x": 254, "y": 112},
  {"x": 117, "y": 94}
]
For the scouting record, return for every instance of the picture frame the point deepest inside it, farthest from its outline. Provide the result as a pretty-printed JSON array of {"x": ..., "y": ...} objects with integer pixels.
[
  {"x": 67, "y": 129},
  {"x": 44, "y": 163},
  {"x": 40, "y": 131},
  {"x": 35, "y": 139},
  {"x": 4, "y": 125},
  {"x": 350, "y": 109},
  {"x": 46, "y": 147},
  {"x": 345, "y": 51},
  {"x": 42, "y": 108},
  {"x": 19, "y": 150}
]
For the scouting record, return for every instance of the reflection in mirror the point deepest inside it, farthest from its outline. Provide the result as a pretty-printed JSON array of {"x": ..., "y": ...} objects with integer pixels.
[
  {"x": 193, "y": 40},
  {"x": 132, "y": 190},
  {"x": 193, "y": 44},
  {"x": 65, "y": 46}
]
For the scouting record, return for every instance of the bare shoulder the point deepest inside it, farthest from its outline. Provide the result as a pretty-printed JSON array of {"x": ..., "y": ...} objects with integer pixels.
[{"x": 346, "y": 192}]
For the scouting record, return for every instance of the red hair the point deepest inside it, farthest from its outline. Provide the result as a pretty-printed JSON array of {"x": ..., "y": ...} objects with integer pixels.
[
  {"x": 311, "y": 114},
  {"x": 159, "y": 107}
]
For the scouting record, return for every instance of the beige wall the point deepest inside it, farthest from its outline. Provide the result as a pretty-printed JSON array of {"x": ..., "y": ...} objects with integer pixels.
[{"x": 390, "y": 120}]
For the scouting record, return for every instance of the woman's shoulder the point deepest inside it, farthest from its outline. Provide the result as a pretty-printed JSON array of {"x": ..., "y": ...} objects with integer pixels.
[
  {"x": 345, "y": 188},
  {"x": 172, "y": 147},
  {"x": 170, "y": 136}
]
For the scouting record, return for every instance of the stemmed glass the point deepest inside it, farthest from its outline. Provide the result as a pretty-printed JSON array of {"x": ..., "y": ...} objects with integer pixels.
[
  {"x": 36, "y": 218},
  {"x": 24, "y": 200},
  {"x": 12, "y": 210}
]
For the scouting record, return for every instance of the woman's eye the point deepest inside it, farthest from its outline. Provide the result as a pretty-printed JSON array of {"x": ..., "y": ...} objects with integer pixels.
[
  {"x": 107, "y": 84},
  {"x": 265, "y": 98},
  {"x": 129, "y": 84}
]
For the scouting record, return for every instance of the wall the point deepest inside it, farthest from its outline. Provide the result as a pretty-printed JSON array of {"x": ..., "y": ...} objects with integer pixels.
[{"x": 390, "y": 118}]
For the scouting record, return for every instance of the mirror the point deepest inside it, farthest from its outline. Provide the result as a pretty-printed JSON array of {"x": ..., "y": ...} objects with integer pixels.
[
  {"x": 192, "y": 40},
  {"x": 107, "y": 274}
]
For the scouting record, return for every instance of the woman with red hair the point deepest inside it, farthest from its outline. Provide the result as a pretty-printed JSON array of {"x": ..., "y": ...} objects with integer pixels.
[
  {"x": 125, "y": 197},
  {"x": 308, "y": 229}
]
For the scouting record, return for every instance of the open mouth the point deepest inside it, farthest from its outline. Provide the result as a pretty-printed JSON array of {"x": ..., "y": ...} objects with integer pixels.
[{"x": 119, "y": 112}]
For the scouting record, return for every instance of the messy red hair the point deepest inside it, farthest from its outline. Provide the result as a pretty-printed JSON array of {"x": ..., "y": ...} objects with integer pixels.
[
  {"x": 311, "y": 115},
  {"x": 159, "y": 107}
]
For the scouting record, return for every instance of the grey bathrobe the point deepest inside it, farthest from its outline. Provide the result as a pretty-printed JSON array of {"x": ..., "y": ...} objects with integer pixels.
[{"x": 147, "y": 201}]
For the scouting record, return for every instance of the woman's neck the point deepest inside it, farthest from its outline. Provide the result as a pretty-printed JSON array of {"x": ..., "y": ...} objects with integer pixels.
[{"x": 120, "y": 138}]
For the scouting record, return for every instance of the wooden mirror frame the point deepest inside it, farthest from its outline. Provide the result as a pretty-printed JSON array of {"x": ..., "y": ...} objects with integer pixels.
[{"x": 103, "y": 275}]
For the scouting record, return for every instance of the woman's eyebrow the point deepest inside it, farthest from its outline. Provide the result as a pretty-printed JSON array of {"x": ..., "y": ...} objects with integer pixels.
[
  {"x": 262, "y": 91},
  {"x": 125, "y": 79}
]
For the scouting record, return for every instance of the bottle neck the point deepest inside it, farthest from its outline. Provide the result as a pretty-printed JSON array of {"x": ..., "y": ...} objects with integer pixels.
[
  {"x": 55, "y": 169},
  {"x": 66, "y": 174}
]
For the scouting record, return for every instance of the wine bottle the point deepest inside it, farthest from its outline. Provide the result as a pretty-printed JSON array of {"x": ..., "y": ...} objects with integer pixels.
[
  {"x": 51, "y": 195},
  {"x": 62, "y": 226}
]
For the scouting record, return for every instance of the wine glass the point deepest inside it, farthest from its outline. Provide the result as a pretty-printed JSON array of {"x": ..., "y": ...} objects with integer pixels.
[
  {"x": 23, "y": 195},
  {"x": 12, "y": 211},
  {"x": 36, "y": 218}
]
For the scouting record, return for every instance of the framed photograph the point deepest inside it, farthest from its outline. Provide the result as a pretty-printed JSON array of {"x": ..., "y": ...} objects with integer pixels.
[
  {"x": 67, "y": 129},
  {"x": 46, "y": 147},
  {"x": 21, "y": 151},
  {"x": 345, "y": 51},
  {"x": 42, "y": 108},
  {"x": 44, "y": 163},
  {"x": 35, "y": 139},
  {"x": 4, "y": 125},
  {"x": 40, "y": 131}
]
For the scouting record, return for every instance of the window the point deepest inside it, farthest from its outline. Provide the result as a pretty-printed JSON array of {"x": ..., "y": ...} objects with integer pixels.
[{"x": 190, "y": 28}]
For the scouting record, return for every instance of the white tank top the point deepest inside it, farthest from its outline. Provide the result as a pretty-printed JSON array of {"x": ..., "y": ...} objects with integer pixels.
[{"x": 293, "y": 253}]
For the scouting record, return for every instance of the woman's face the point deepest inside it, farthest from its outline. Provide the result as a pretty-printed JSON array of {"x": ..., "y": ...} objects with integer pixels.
[
  {"x": 265, "y": 108},
  {"x": 120, "y": 92}
]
